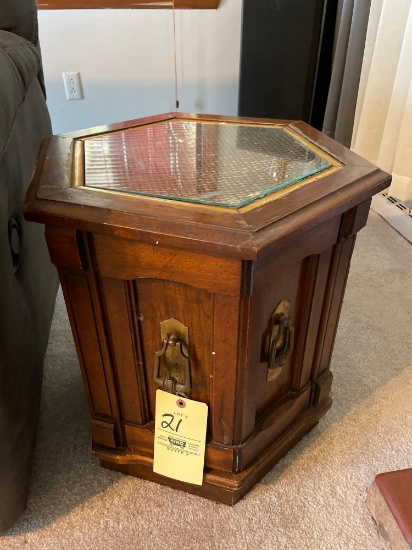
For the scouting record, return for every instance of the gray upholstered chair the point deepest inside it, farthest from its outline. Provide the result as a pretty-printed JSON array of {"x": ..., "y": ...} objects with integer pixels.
[{"x": 28, "y": 281}]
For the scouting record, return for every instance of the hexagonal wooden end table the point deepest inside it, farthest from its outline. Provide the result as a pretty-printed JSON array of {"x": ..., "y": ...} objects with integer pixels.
[{"x": 232, "y": 236}]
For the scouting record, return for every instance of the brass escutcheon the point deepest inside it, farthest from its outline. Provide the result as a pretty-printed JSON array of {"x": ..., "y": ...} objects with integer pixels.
[{"x": 174, "y": 357}]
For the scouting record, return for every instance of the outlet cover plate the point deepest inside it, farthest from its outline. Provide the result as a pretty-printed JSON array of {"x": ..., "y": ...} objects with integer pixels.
[{"x": 73, "y": 85}]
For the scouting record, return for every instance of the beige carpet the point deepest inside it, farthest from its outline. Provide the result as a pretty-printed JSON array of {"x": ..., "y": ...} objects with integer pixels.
[{"x": 313, "y": 499}]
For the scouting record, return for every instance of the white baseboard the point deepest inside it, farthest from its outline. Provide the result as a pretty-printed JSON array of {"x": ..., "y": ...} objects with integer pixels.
[{"x": 395, "y": 213}]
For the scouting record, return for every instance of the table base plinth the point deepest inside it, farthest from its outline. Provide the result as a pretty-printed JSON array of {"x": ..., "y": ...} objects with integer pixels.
[{"x": 219, "y": 486}]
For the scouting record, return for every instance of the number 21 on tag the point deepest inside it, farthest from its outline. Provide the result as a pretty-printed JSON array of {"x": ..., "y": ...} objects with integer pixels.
[{"x": 180, "y": 437}]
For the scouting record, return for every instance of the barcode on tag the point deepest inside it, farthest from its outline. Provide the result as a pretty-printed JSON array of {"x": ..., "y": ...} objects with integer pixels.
[{"x": 180, "y": 437}]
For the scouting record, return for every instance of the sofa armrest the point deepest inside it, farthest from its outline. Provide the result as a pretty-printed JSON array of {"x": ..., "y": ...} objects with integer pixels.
[
  {"x": 20, "y": 17},
  {"x": 19, "y": 66}
]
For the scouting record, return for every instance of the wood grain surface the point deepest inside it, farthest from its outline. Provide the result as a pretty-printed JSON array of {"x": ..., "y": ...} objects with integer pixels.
[{"x": 128, "y": 263}]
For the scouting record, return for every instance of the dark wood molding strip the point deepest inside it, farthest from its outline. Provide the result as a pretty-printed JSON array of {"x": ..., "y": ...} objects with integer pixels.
[{"x": 126, "y": 4}]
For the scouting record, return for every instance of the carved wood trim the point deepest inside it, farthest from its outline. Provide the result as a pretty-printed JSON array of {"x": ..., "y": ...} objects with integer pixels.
[
  {"x": 335, "y": 290},
  {"x": 225, "y": 327},
  {"x": 306, "y": 294},
  {"x": 83, "y": 321},
  {"x": 120, "y": 304},
  {"x": 64, "y": 247},
  {"x": 132, "y": 307},
  {"x": 103, "y": 433},
  {"x": 101, "y": 329},
  {"x": 140, "y": 440}
]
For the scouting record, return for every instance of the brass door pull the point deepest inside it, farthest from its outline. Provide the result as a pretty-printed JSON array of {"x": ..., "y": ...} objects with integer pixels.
[
  {"x": 178, "y": 363},
  {"x": 281, "y": 340}
]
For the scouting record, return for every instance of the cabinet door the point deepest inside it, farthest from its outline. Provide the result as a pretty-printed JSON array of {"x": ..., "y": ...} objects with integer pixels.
[
  {"x": 298, "y": 273},
  {"x": 134, "y": 311},
  {"x": 141, "y": 287}
]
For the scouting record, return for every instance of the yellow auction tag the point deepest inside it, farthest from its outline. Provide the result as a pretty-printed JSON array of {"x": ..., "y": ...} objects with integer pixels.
[{"x": 180, "y": 437}]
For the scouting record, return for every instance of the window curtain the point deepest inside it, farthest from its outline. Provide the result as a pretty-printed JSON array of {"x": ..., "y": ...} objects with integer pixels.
[
  {"x": 383, "y": 121},
  {"x": 351, "y": 26}
]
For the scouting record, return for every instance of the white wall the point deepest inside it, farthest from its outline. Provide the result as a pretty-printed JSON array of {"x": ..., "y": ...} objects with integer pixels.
[{"x": 126, "y": 62}]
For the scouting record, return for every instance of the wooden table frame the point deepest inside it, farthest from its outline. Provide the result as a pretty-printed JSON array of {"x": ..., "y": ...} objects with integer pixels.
[{"x": 227, "y": 271}]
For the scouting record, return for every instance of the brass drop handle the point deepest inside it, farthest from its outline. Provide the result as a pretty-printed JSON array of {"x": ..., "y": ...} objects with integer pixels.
[
  {"x": 281, "y": 340},
  {"x": 180, "y": 364}
]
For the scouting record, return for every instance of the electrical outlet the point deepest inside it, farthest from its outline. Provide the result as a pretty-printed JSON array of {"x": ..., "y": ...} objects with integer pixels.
[{"x": 73, "y": 86}]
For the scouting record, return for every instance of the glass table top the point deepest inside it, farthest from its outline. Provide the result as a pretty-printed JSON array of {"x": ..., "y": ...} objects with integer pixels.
[{"x": 219, "y": 164}]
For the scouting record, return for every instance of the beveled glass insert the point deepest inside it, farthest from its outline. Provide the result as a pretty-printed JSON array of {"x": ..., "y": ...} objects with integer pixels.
[{"x": 219, "y": 164}]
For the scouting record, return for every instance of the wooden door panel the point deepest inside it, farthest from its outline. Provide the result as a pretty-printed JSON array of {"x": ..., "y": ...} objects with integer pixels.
[
  {"x": 224, "y": 375},
  {"x": 77, "y": 294},
  {"x": 281, "y": 287},
  {"x": 312, "y": 297},
  {"x": 158, "y": 301},
  {"x": 334, "y": 292},
  {"x": 119, "y": 303},
  {"x": 302, "y": 281}
]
